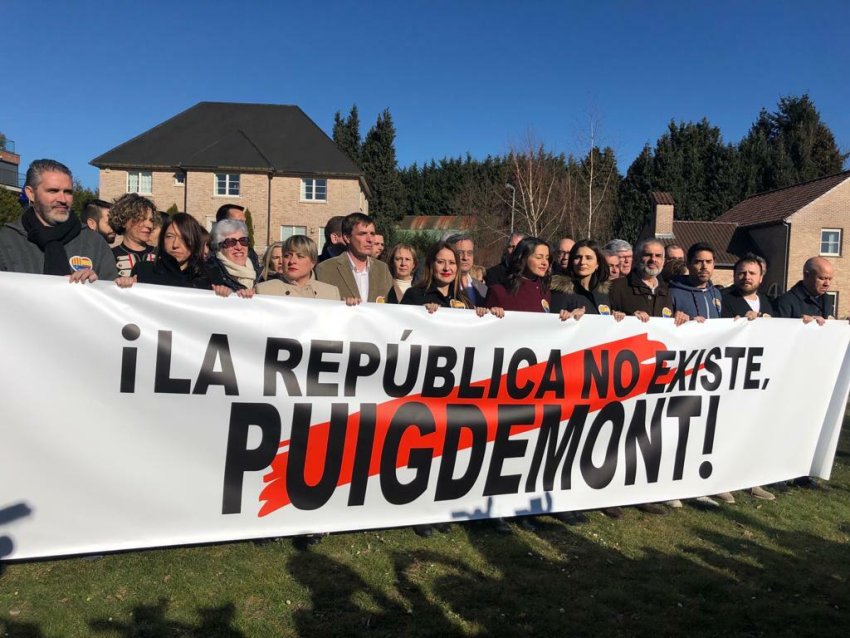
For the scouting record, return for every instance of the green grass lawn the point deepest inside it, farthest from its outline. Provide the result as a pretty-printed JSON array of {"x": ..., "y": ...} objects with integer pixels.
[{"x": 755, "y": 568}]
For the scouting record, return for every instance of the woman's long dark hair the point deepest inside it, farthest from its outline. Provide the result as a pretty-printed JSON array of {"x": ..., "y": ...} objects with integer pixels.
[
  {"x": 602, "y": 273},
  {"x": 426, "y": 274},
  {"x": 517, "y": 265},
  {"x": 193, "y": 236}
]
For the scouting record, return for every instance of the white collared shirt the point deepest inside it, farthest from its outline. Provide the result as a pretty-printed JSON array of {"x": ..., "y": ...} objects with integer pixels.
[{"x": 361, "y": 277}]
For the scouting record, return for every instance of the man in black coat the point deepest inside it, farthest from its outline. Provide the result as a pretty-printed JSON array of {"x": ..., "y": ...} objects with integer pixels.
[
  {"x": 808, "y": 300},
  {"x": 743, "y": 299}
]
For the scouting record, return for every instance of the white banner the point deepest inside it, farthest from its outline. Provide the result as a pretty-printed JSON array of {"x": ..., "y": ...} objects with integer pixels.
[{"x": 157, "y": 416}]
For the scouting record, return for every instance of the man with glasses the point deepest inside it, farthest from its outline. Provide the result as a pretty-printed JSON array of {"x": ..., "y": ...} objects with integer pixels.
[
  {"x": 561, "y": 265},
  {"x": 465, "y": 249}
]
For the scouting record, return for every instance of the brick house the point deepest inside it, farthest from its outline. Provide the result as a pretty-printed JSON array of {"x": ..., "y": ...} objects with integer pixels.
[
  {"x": 271, "y": 159},
  {"x": 785, "y": 226}
]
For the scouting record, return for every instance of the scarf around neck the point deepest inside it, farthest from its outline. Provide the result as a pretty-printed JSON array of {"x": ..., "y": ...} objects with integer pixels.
[
  {"x": 51, "y": 240},
  {"x": 245, "y": 275}
]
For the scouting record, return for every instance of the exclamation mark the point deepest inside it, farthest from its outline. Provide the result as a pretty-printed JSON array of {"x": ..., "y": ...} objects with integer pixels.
[{"x": 705, "y": 467}]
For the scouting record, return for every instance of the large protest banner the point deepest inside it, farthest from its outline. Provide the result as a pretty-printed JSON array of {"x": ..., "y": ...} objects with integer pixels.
[{"x": 156, "y": 416}]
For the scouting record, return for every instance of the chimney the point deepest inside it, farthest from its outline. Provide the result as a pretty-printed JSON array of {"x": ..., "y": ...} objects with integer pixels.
[{"x": 662, "y": 214}]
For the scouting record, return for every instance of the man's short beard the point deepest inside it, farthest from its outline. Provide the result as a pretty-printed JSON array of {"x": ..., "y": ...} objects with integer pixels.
[{"x": 645, "y": 271}]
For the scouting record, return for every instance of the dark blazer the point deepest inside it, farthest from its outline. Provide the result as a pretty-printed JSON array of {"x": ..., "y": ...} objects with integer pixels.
[
  {"x": 337, "y": 272},
  {"x": 734, "y": 304}
]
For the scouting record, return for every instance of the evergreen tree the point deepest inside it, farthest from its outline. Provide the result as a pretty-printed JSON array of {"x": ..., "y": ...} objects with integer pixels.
[
  {"x": 82, "y": 196},
  {"x": 10, "y": 206},
  {"x": 173, "y": 210},
  {"x": 346, "y": 134},
  {"x": 249, "y": 222},
  {"x": 634, "y": 197},
  {"x": 380, "y": 167},
  {"x": 786, "y": 147}
]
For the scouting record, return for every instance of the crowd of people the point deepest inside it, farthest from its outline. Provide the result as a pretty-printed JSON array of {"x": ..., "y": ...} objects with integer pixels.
[{"x": 581, "y": 277}]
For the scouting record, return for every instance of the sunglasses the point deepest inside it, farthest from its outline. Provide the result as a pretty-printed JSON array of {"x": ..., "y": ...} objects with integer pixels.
[{"x": 230, "y": 242}]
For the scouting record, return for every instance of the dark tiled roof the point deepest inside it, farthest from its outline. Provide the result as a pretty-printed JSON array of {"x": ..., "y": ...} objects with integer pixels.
[
  {"x": 728, "y": 240},
  {"x": 245, "y": 137},
  {"x": 437, "y": 222},
  {"x": 775, "y": 206},
  {"x": 660, "y": 197}
]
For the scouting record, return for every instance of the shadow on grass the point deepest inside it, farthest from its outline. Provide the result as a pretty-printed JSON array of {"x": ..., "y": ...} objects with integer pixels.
[{"x": 720, "y": 583}]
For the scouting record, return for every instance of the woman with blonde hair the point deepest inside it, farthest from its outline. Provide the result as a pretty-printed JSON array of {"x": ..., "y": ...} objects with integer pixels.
[
  {"x": 300, "y": 255},
  {"x": 272, "y": 262},
  {"x": 402, "y": 261}
]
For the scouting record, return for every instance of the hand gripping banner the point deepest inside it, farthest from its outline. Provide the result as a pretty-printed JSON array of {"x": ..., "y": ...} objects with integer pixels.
[{"x": 155, "y": 416}]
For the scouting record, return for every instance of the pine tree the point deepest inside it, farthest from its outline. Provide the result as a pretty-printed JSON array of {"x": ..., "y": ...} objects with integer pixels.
[
  {"x": 346, "y": 134},
  {"x": 172, "y": 210},
  {"x": 786, "y": 147},
  {"x": 634, "y": 197},
  {"x": 249, "y": 222},
  {"x": 10, "y": 206},
  {"x": 380, "y": 167}
]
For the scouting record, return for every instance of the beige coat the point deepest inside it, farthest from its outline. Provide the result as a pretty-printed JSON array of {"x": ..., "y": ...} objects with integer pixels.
[
  {"x": 313, "y": 290},
  {"x": 337, "y": 272}
]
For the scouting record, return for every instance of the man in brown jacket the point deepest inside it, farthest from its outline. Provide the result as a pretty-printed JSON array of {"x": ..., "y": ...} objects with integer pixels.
[
  {"x": 643, "y": 293},
  {"x": 355, "y": 272}
]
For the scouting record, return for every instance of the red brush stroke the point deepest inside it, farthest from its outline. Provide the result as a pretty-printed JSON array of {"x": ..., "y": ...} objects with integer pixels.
[{"x": 274, "y": 494}]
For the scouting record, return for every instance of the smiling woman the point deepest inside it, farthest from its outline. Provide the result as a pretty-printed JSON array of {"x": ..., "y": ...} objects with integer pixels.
[
  {"x": 134, "y": 217},
  {"x": 439, "y": 282},
  {"x": 230, "y": 267}
]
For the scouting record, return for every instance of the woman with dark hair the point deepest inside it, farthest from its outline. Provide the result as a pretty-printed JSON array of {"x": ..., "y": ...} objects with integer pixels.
[
  {"x": 439, "y": 285},
  {"x": 586, "y": 282},
  {"x": 528, "y": 279},
  {"x": 402, "y": 262},
  {"x": 179, "y": 257}
]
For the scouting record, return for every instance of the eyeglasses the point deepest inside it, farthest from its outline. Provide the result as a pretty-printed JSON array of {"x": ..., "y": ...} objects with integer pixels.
[{"x": 230, "y": 242}]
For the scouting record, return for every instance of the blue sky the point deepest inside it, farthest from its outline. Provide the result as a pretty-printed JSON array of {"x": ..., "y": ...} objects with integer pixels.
[{"x": 457, "y": 76}]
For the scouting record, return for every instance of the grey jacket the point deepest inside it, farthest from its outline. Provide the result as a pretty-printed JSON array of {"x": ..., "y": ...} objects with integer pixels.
[{"x": 18, "y": 254}]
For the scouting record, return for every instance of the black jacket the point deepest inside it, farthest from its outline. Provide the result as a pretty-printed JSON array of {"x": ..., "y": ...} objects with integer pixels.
[
  {"x": 570, "y": 295},
  {"x": 799, "y": 301},
  {"x": 418, "y": 296},
  {"x": 734, "y": 305},
  {"x": 166, "y": 272}
]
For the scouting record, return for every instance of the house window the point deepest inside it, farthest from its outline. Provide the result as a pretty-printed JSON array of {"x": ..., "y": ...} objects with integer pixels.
[
  {"x": 227, "y": 184},
  {"x": 830, "y": 242},
  {"x": 179, "y": 179},
  {"x": 139, "y": 182},
  {"x": 321, "y": 243},
  {"x": 314, "y": 190},
  {"x": 288, "y": 231}
]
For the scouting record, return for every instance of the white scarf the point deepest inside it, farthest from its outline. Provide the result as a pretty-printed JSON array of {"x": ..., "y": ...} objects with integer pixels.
[{"x": 245, "y": 275}]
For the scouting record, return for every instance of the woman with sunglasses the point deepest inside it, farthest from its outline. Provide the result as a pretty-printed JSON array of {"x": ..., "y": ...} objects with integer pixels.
[{"x": 230, "y": 267}]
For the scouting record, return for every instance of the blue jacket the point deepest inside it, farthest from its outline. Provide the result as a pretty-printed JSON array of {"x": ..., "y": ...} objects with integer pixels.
[{"x": 693, "y": 301}]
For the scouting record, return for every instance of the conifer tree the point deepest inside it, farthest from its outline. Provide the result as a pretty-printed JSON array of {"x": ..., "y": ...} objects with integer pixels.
[
  {"x": 346, "y": 134},
  {"x": 380, "y": 167}
]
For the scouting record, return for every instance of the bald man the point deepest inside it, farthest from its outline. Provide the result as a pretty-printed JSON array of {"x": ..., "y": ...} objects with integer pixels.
[{"x": 808, "y": 300}]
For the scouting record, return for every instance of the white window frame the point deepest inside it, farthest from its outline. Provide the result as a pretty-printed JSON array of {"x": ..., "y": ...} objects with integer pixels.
[
  {"x": 179, "y": 179},
  {"x": 840, "y": 238},
  {"x": 313, "y": 199},
  {"x": 227, "y": 185},
  {"x": 301, "y": 230},
  {"x": 138, "y": 188}
]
